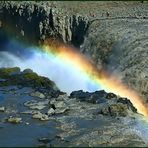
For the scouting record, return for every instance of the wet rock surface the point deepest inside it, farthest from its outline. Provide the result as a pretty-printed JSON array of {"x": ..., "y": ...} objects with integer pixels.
[
  {"x": 38, "y": 94},
  {"x": 80, "y": 119},
  {"x": 14, "y": 120}
]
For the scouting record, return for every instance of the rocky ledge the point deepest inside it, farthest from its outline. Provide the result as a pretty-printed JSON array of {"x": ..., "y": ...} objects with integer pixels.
[{"x": 36, "y": 113}]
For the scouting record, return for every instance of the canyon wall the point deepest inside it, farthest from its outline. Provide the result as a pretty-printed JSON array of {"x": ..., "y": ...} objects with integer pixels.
[{"x": 114, "y": 35}]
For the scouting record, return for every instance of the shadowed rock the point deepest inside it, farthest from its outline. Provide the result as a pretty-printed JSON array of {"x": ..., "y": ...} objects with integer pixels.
[
  {"x": 13, "y": 76},
  {"x": 112, "y": 105}
]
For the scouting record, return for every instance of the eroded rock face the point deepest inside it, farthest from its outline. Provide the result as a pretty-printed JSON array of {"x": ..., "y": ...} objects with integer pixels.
[
  {"x": 112, "y": 34},
  {"x": 120, "y": 46},
  {"x": 36, "y": 22}
]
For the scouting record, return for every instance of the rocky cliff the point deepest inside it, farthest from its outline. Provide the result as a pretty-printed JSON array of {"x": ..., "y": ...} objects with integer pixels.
[
  {"x": 36, "y": 22},
  {"x": 120, "y": 46},
  {"x": 112, "y": 34}
]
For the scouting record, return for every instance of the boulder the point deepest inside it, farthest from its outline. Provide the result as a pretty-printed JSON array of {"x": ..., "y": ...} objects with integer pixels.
[
  {"x": 33, "y": 104},
  {"x": 59, "y": 104},
  {"x": 110, "y": 96},
  {"x": 2, "y": 109},
  {"x": 14, "y": 120},
  {"x": 94, "y": 97},
  {"x": 37, "y": 94},
  {"x": 118, "y": 109},
  {"x": 79, "y": 94},
  {"x": 40, "y": 116},
  {"x": 51, "y": 111},
  {"x": 128, "y": 103},
  {"x": 61, "y": 110}
]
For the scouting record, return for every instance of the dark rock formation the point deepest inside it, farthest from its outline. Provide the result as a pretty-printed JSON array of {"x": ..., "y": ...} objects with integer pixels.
[
  {"x": 94, "y": 97},
  {"x": 122, "y": 48},
  {"x": 34, "y": 22},
  {"x": 128, "y": 103},
  {"x": 112, "y": 34},
  {"x": 115, "y": 110},
  {"x": 112, "y": 105},
  {"x": 119, "y": 109},
  {"x": 13, "y": 76}
]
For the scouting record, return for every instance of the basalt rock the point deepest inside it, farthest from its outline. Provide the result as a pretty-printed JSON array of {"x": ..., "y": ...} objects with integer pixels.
[
  {"x": 36, "y": 22},
  {"x": 13, "y": 76},
  {"x": 94, "y": 97},
  {"x": 112, "y": 105},
  {"x": 113, "y": 35},
  {"x": 128, "y": 103},
  {"x": 115, "y": 110}
]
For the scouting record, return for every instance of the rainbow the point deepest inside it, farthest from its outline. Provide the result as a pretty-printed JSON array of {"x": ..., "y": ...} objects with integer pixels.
[{"x": 70, "y": 57}]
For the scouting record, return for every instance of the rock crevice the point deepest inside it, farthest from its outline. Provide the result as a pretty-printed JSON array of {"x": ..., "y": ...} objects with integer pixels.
[{"x": 36, "y": 23}]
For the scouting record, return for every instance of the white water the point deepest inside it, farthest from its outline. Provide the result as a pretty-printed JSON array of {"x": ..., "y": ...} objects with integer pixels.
[{"x": 65, "y": 77}]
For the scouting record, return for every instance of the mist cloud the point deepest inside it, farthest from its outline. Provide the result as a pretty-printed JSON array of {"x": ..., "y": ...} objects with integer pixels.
[{"x": 66, "y": 78}]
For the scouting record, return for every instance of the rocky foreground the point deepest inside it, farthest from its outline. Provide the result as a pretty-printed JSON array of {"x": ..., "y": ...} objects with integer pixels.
[{"x": 34, "y": 112}]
